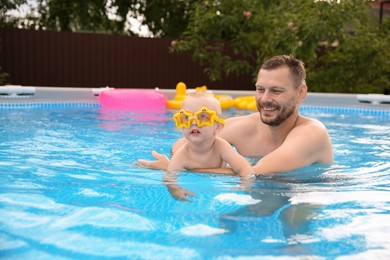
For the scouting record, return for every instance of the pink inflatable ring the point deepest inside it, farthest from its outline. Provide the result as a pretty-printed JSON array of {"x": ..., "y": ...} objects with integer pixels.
[{"x": 133, "y": 99}]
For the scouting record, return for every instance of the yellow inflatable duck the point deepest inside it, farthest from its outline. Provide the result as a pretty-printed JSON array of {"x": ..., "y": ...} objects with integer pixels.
[{"x": 176, "y": 102}]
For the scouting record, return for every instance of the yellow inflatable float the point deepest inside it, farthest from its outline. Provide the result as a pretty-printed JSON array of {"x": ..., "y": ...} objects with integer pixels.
[
  {"x": 245, "y": 102},
  {"x": 181, "y": 90},
  {"x": 225, "y": 100}
]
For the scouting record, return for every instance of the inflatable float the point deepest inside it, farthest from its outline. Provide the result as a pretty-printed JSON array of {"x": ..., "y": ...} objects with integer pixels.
[
  {"x": 226, "y": 101},
  {"x": 181, "y": 90},
  {"x": 374, "y": 99},
  {"x": 133, "y": 99},
  {"x": 245, "y": 102},
  {"x": 16, "y": 91}
]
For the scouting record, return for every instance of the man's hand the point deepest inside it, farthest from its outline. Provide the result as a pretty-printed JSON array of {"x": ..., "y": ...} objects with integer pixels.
[{"x": 161, "y": 162}]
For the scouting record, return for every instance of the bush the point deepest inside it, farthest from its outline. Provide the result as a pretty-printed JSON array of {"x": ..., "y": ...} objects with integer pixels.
[
  {"x": 344, "y": 48},
  {"x": 3, "y": 78}
]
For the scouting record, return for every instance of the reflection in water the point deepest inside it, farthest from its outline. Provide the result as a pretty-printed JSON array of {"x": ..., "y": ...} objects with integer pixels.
[
  {"x": 114, "y": 120},
  {"x": 273, "y": 219}
]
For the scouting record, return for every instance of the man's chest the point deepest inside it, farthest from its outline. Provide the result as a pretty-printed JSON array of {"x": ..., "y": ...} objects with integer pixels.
[{"x": 256, "y": 145}]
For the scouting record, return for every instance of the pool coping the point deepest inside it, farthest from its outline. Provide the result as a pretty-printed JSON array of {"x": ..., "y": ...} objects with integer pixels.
[{"x": 58, "y": 95}]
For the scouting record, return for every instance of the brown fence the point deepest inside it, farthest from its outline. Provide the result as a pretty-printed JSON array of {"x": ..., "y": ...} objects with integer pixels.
[{"x": 66, "y": 59}]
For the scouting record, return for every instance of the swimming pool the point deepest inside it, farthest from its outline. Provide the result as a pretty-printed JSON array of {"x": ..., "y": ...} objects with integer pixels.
[{"x": 69, "y": 189}]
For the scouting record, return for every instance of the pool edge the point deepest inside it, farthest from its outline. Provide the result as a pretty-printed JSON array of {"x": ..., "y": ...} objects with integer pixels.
[{"x": 48, "y": 95}]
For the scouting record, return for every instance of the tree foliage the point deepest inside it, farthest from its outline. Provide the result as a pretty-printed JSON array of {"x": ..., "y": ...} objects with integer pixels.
[
  {"x": 164, "y": 18},
  {"x": 168, "y": 18},
  {"x": 7, "y": 20},
  {"x": 344, "y": 49}
]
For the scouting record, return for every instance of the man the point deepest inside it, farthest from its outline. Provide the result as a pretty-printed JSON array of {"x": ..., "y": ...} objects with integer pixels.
[{"x": 283, "y": 139}]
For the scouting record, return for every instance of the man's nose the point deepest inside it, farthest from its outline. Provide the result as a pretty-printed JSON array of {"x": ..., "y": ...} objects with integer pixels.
[{"x": 267, "y": 96}]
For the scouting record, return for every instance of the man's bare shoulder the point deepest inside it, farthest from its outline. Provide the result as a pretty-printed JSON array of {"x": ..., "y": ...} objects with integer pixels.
[
  {"x": 317, "y": 139},
  {"x": 310, "y": 123},
  {"x": 306, "y": 126}
]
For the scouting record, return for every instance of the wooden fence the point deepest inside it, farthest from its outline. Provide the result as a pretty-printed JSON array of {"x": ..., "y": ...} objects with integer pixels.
[{"x": 67, "y": 59}]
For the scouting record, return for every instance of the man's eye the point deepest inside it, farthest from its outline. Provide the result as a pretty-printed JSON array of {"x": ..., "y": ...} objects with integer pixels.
[{"x": 260, "y": 90}]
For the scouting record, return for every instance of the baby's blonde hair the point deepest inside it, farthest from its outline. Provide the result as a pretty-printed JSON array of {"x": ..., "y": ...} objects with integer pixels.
[{"x": 209, "y": 99}]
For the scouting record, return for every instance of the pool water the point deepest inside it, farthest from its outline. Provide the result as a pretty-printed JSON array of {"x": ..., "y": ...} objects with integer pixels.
[{"x": 69, "y": 188}]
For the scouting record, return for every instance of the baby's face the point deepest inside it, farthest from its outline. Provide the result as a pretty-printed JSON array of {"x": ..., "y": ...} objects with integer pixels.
[{"x": 196, "y": 133}]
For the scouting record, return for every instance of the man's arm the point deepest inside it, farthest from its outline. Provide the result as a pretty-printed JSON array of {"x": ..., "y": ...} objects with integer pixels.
[{"x": 304, "y": 145}]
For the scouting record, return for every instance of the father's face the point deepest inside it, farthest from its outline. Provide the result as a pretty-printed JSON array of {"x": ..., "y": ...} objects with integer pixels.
[{"x": 276, "y": 96}]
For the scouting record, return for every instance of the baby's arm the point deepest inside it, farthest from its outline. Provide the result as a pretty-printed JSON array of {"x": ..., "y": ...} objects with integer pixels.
[
  {"x": 178, "y": 160},
  {"x": 176, "y": 164},
  {"x": 176, "y": 191},
  {"x": 162, "y": 161},
  {"x": 237, "y": 162}
]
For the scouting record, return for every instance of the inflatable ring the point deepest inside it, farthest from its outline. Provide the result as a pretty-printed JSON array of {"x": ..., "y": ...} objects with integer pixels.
[
  {"x": 246, "y": 102},
  {"x": 133, "y": 99}
]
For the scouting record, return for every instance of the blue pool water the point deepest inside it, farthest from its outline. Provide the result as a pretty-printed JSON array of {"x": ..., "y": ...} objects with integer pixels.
[{"x": 69, "y": 189}]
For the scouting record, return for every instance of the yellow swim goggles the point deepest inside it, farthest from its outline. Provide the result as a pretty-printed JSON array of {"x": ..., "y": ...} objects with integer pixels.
[{"x": 202, "y": 117}]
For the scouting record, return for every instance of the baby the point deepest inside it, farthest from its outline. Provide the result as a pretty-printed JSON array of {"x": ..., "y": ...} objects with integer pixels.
[{"x": 200, "y": 122}]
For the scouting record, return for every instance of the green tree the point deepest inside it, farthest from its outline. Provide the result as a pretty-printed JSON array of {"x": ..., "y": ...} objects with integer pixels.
[
  {"x": 7, "y": 20},
  {"x": 344, "y": 50},
  {"x": 164, "y": 18},
  {"x": 3, "y": 76},
  {"x": 74, "y": 15}
]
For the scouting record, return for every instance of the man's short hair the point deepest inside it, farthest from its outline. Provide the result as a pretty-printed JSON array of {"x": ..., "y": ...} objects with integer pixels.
[{"x": 297, "y": 67}]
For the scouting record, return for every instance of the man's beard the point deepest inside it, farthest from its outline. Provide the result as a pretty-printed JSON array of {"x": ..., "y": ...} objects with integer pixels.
[{"x": 280, "y": 118}]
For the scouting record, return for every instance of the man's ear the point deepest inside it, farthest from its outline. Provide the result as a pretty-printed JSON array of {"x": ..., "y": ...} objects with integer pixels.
[{"x": 302, "y": 92}]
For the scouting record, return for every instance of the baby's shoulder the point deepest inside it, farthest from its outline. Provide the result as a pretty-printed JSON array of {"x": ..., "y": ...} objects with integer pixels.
[{"x": 222, "y": 144}]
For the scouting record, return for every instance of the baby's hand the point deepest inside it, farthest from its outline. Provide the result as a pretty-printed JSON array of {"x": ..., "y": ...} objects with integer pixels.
[
  {"x": 161, "y": 162},
  {"x": 179, "y": 193}
]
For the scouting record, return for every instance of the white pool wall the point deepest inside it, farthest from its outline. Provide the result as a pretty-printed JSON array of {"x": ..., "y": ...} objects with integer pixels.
[{"x": 86, "y": 95}]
